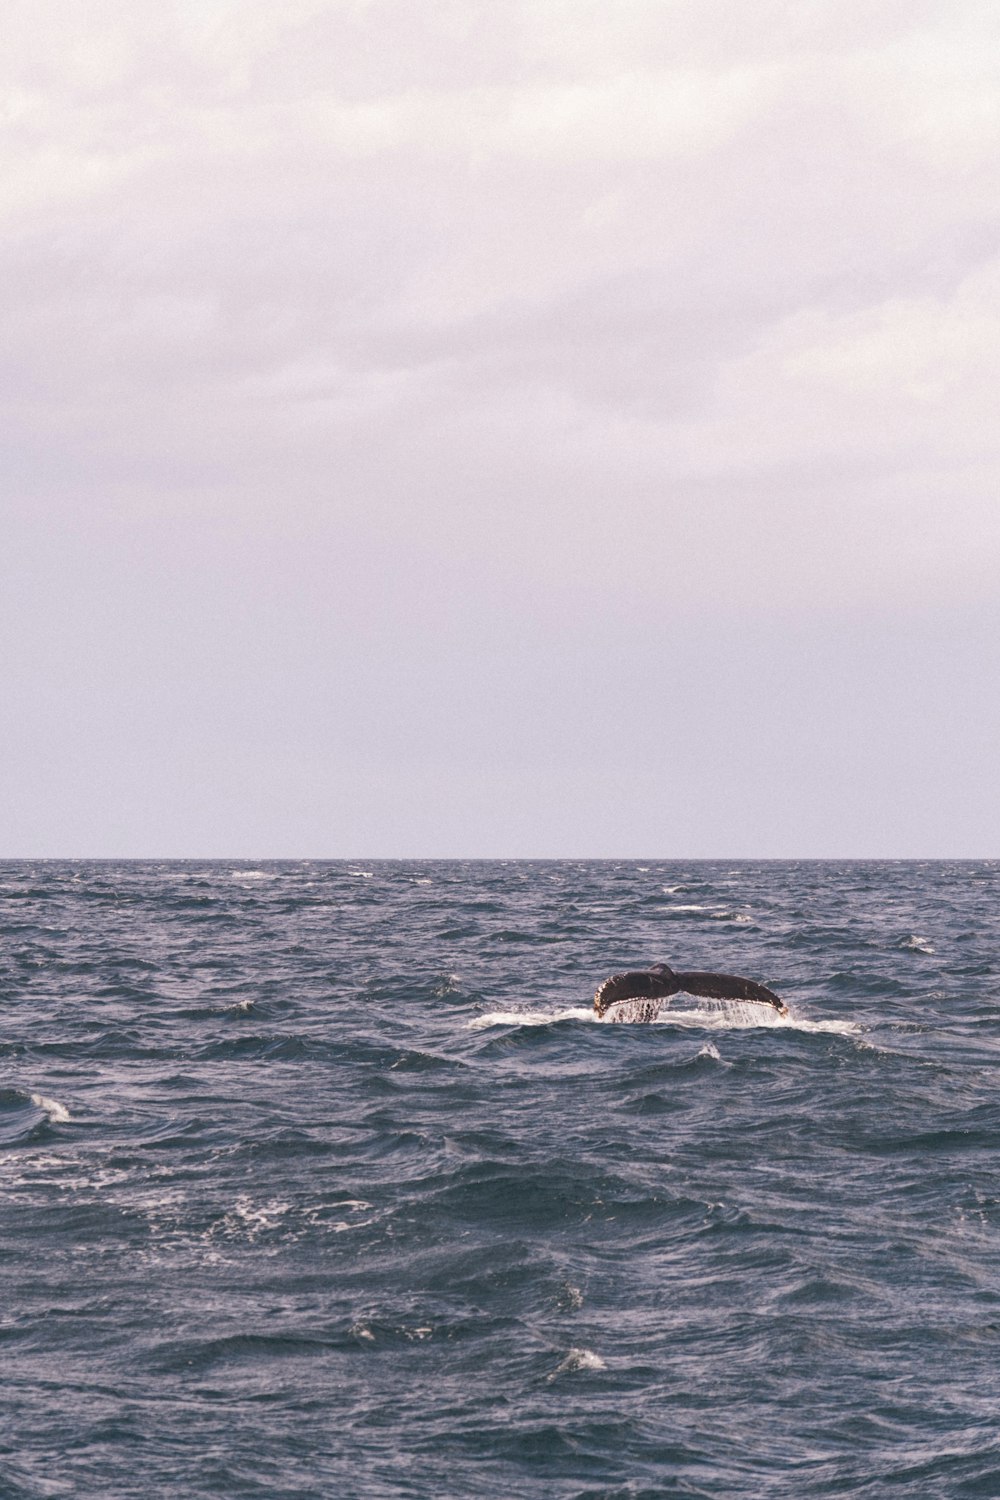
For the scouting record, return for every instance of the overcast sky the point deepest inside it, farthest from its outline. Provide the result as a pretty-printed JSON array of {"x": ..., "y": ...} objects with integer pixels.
[{"x": 566, "y": 427}]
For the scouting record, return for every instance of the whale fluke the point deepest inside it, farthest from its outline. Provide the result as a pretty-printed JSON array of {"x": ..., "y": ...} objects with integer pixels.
[
  {"x": 659, "y": 982},
  {"x": 638, "y": 984}
]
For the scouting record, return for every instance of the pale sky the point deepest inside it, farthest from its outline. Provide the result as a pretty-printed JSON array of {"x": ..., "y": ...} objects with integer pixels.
[{"x": 565, "y": 427}]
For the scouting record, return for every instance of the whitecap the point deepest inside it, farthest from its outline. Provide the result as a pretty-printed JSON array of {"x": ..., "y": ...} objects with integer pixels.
[
  {"x": 251, "y": 875},
  {"x": 578, "y": 1359},
  {"x": 570, "y": 1297},
  {"x": 57, "y": 1113}
]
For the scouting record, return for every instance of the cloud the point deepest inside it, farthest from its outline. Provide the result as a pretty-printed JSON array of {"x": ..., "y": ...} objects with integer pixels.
[{"x": 488, "y": 340}]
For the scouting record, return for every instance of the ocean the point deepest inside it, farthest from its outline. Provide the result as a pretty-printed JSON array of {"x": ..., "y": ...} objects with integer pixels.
[{"x": 322, "y": 1179}]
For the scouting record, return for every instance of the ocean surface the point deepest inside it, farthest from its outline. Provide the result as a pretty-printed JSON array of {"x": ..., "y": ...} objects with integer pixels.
[{"x": 322, "y": 1179}]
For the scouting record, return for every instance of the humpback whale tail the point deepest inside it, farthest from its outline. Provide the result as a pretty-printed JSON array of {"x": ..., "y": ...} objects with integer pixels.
[{"x": 650, "y": 986}]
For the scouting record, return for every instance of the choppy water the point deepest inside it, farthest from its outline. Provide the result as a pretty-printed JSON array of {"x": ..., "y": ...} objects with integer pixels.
[{"x": 322, "y": 1180}]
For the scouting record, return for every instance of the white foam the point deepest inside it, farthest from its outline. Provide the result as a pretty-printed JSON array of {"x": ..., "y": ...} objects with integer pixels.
[
  {"x": 251, "y": 875},
  {"x": 531, "y": 1017},
  {"x": 57, "y": 1113},
  {"x": 740, "y": 1015},
  {"x": 353, "y": 1206},
  {"x": 578, "y": 1359},
  {"x": 724, "y": 1015},
  {"x": 248, "y": 1220}
]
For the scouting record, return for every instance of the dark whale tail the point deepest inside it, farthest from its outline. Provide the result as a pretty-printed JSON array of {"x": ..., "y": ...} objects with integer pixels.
[{"x": 659, "y": 982}]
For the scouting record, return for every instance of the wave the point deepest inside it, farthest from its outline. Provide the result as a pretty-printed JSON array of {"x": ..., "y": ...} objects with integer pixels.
[
  {"x": 24, "y": 1116},
  {"x": 57, "y": 1113},
  {"x": 914, "y": 943},
  {"x": 578, "y": 1359},
  {"x": 698, "y": 911}
]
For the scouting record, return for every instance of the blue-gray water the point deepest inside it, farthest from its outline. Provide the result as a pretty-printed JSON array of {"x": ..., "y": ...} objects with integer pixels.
[{"x": 320, "y": 1179}]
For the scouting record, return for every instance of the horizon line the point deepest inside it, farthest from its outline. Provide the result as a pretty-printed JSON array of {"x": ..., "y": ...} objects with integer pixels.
[{"x": 497, "y": 858}]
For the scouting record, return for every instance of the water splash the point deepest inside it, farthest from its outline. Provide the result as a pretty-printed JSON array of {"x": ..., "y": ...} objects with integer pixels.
[{"x": 721, "y": 1015}]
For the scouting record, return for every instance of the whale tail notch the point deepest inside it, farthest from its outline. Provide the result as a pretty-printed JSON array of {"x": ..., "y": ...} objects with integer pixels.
[
  {"x": 650, "y": 986},
  {"x": 642, "y": 985}
]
